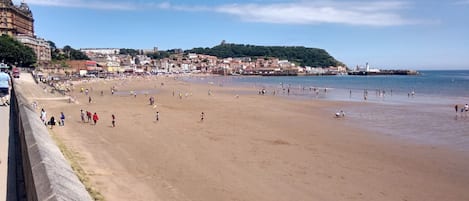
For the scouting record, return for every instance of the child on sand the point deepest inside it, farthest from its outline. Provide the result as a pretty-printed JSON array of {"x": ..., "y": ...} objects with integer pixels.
[
  {"x": 340, "y": 114},
  {"x": 202, "y": 116},
  {"x": 113, "y": 120},
  {"x": 95, "y": 118},
  {"x": 82, "y": 115},
  {"x": 52, "y": 122},
  {"x": 62, "y": 119}
]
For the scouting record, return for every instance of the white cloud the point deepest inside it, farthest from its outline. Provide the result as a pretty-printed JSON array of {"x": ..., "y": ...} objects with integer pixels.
[
  {"x": 383, "y": 13},
  {"x": 462, "y": 2},
  {"x": 112, "y": 5},
  {"x": 369, "y": 14},
  {"x": 104, "y": 5}
]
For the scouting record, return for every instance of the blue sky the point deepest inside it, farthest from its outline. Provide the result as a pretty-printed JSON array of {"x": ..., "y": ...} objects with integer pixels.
[{"x": 415, "y": 34}]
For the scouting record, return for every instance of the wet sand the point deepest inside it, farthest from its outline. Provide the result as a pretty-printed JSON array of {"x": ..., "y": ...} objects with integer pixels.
[{"x": 253, "y": 147}]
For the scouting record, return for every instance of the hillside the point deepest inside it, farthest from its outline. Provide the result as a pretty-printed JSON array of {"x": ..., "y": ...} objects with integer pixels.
[{"x": 300, "y": 55}]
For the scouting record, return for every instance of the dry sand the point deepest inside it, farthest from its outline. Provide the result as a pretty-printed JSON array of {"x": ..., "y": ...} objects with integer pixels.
[{"x": 251, "y": 148}]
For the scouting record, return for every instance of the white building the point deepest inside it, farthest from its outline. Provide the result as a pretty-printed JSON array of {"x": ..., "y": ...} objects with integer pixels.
[
  {"x": 40, "y": 46},
  {"x": 105, "y": 51}
]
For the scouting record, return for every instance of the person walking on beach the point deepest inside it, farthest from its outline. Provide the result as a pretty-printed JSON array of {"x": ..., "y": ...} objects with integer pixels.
[
  {"x": 95, "y": 118},
  {"x": 82, "y": 115},
  {"x": 456, "y": 108},
  {"x": 52, "y": 122},
  {"x": 89, "y": 99},
  {"x": 62, "y": 119},
  {"x": 152, "y": 100},
  {"x": 43, "y": 116},
  {"x": 157, "y": 116},
  {"x": 88, "y": 115},
  {"x": 113, "y": 120},
  {"x": 202, "y": 116}
]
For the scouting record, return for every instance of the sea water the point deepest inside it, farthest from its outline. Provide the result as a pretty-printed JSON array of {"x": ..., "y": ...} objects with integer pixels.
[{"x": 418, "y": 108}]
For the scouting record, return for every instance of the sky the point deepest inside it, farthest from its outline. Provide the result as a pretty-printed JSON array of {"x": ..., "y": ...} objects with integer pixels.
[{"x": 388, "y": 34}]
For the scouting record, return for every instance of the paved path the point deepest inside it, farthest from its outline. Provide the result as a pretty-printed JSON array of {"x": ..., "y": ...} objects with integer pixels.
[
  {"x": 8, "y": 182},
  {"x": 4, "y": 133}
]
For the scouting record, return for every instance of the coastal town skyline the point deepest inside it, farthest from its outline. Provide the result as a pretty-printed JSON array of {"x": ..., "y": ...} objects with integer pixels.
[{"x": 395, "y": 34}]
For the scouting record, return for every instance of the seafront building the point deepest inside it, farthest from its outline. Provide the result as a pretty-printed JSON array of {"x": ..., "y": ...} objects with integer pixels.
[
  {"x": 198, "y": 63},
  {"x": 101, "y": 51},
  {"x": 40, "y": 46},
  {"x": 16, "y": 20}
]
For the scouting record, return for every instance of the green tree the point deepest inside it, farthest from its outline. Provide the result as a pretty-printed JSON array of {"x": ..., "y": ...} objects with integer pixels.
[
  {"x": 159, "y": 55},
  {"x": 13, "y": 52},
  {"x": 69, "y": 53},
  {"x": 131, "y": 52},
  {"x": 55, "y": 52},
  {"x": 301, "y": 55}
]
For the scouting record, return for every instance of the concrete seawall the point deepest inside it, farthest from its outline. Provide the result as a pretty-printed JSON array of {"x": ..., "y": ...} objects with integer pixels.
[{"x": 47, "y": 174}]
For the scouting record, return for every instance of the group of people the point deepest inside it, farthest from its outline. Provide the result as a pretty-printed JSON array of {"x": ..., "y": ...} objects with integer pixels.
[
  {"x": 89, "y": 117},
  {"x": 52, "y": 121},
  {"x": 340, "y": 114},
  {"x": 464, "y": 109}
]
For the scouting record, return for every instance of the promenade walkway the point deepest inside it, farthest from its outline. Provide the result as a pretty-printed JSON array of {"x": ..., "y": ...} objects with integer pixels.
[
  {"x": 8, "y": 157},
  {"x": 11, "y": 178},
  {"x": 4, "y": 135}
]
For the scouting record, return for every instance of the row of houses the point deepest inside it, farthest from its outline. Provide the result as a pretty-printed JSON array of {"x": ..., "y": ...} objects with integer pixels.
[{"x": 107, "y": 60}]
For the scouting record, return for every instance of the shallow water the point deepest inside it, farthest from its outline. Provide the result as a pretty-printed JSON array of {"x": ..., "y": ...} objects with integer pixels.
[{"x": 427, "y": 117}]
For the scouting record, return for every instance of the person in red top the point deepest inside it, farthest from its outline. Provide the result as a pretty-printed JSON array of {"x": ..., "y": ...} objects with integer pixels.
[{"x": 95, "y": 118}]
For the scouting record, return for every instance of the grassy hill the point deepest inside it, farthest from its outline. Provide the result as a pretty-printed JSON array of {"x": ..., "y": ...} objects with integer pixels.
[{"x": 302, "y": 56}]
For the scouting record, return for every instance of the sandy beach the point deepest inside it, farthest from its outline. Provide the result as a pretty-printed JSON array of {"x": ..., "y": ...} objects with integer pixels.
[{"x": 247, "y": 148}]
